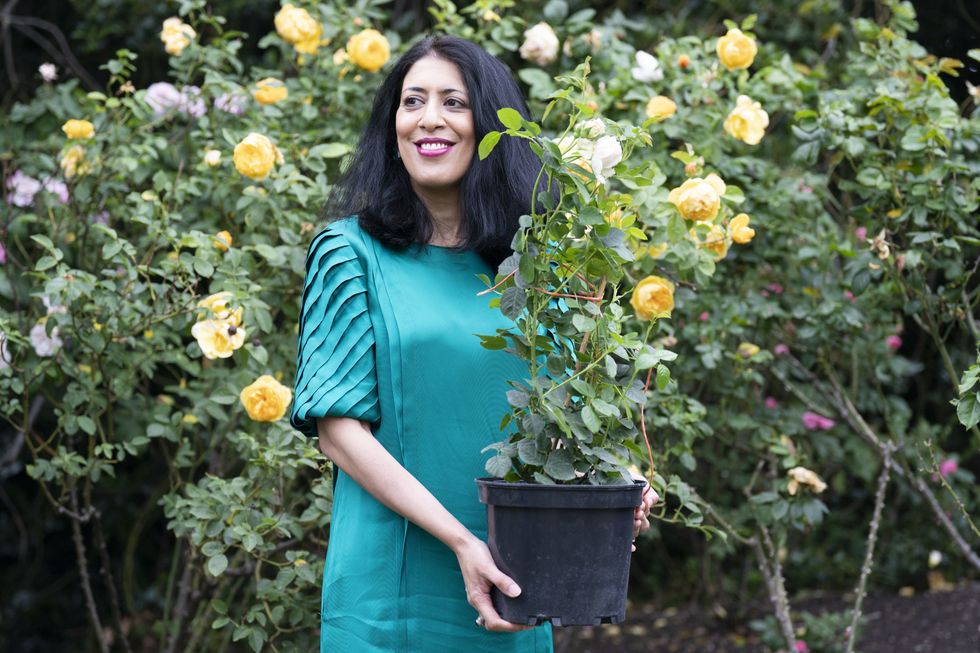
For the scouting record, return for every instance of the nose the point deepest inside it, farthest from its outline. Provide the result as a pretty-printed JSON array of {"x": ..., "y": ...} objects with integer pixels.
[{"x": 431, "y": 117}]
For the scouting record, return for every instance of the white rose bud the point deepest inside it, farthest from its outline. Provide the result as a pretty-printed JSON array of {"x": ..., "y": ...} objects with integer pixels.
[
  {"x": 540, "y": 44},
  {"x": 647, "y": 68},
  {"x": 49, "y": 72},
  {"x": 593, "y": 128},
  {"x": 935, "y": 559},
  {"x": 606, "y": 154},
  {"x": 212, "y": 158}
]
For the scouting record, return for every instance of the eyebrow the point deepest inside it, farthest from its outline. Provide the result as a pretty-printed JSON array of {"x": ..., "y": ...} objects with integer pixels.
[{"x": 445, "y": 91}]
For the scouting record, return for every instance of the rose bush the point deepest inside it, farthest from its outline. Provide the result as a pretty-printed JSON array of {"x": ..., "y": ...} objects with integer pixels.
[{"x": 815, "y": 245}]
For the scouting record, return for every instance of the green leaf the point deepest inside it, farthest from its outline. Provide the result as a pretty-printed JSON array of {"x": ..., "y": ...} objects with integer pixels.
[
  {"x": 329, "y": 150},
  {"x": 217, "y": 565},
  {"x": 86, "y": 424},
  {"x": 517, "y": 398},
  {"x": 583, "y": 322},
  {"x": 488, "y": 143},
  {"x": 45, "y": 262},
  {"x": 591, "y": 419},
  {"x": 512, "y": 302},
  {"x": 510, "y": 118},
  {"x": 499, "y": 465},
  {"x": 559, "y": 465},
  {"x": 663, "y": 377},
  {"x": 968, "y": 411},
  {"x": 528, "y": 451}
]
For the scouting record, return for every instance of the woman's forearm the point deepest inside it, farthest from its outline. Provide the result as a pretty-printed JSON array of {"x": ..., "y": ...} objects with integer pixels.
[{"x": 350, "y": 444}]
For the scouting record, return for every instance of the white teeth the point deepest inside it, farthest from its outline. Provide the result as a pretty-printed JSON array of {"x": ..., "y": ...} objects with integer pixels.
[{"x": 434, "y": 146}]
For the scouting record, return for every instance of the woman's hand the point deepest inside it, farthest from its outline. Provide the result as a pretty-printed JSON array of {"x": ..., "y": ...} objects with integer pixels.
[
  {"x": 641, "y": 515},
  {"x": 480, "y": 573}
]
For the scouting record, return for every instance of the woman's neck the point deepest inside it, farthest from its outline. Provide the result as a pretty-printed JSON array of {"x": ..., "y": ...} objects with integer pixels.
[{"x": 444, "y": 209}]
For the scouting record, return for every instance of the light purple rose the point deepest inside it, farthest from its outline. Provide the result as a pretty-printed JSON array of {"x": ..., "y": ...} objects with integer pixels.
[
  {"x": 780, "y": 349},
  {"x": 57, "y": 187},
  {"x": 163, "y": 96},
  {"x": 893, "y": 342},
  {"x": 233, "y": 103},
  {"x": 3, "y": 254},
  {"x": 23, "y": 189},
  {"x": 191, "y": 102}
]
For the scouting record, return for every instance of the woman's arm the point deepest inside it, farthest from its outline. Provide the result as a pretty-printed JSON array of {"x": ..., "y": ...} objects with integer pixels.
[{"x": 350, "y": 444}]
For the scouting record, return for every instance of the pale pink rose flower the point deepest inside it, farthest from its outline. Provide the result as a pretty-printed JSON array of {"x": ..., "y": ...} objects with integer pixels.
[
  {"x": 861, "y": 233},
  {"x": 775, "y": 287},
  {"x": 704, "y": 316},
  {"x": 801, "y": 647},
  {"x": 947, "y": 467},
  {"x": 771, "y": 403},
  {"x": 3, "y": 254},
  {"x": 815, "y": 422},
  {"x": 894, "y": 342},
  {"x": 780, "y": 349},
  {"x": 849, "y": 296}
]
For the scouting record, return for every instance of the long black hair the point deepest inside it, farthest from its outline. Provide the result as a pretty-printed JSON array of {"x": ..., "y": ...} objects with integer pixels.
[{"x": 494, "y": 193}]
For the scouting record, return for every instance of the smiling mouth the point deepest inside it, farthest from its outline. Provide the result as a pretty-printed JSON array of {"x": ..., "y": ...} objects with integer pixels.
[{"x": 433, "y": 149}]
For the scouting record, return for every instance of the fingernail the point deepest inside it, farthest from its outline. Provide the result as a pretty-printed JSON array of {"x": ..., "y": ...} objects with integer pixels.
[{"x": 513, "y": 591}]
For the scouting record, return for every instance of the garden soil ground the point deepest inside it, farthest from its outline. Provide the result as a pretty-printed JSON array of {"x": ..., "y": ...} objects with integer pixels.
[{"x": 941, "y": 622}]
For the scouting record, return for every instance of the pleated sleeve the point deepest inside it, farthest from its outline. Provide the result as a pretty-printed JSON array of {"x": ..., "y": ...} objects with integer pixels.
[{"x": 335, "y": 361}]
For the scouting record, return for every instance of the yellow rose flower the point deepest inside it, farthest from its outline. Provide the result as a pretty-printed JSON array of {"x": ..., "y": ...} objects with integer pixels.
[
  {"x": 802, "y": 476},
  {"x": 176, "y": 35},
  {"x": 661, "y": 107},
  {"x": 736, "y": 50},
  {"x": 714, "y": 241},
  {"x": 217, "y": 304},
  {"x": 653, "y": 251},
  {"x": 747, "y": 350},
  {"x": 255, "y": 156},
  {"x": 222, "y": 240},
  {"x": 340, "y": 57},
  {"x": 297, "y": 27},
  {"x": 697, "y": 198},
  {"x": 653, "y": 298},
  {"x": 218, "y": 338},
  {"x": 73, "y": 162},
  {"x": 79, "y": 129},
  {"x": 740, "y": 230},
  {"x": 270, "y": 90},
  {"x": 368, "y": 50},
  {"x": 266, "y": 400},
  {"x": 748, "y": 121}
]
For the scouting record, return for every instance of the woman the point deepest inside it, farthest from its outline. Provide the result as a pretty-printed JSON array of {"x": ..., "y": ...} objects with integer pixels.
[{"x": 390, "y": 375}]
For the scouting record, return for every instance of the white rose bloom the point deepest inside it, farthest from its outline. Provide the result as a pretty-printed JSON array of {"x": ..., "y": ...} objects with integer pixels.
[
  {"x": 593, "y": 128},
  {"x": 540, "y": 44},
  {"x": 212, "y": 158},
  {"x": 49, "y": 72},
  {"x": 44, "y": 344},
  {"x": 52, "y": 308},
  {"x": 606, "y": 154},
  {"x": 647, "y": 68}
]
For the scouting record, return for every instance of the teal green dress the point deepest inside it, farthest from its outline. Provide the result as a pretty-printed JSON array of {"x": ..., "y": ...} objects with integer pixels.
[{"x": 388, "y": 337}]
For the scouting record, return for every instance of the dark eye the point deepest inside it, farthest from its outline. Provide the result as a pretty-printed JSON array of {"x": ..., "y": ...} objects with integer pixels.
[
  {"x": 410, "y": 101},
  {"x": 454, "y": 102}
]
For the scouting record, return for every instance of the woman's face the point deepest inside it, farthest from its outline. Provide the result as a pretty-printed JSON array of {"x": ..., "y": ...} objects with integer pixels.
[{"x": 434, "y": 126}]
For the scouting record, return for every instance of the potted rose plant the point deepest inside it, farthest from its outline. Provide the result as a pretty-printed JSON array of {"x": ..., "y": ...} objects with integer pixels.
[{"x": 561, "y": 497}]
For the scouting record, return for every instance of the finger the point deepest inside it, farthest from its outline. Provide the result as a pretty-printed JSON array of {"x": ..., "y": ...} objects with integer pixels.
[
  {"x": 632, "y": 548},
  {"x": 491, "y": 620}
]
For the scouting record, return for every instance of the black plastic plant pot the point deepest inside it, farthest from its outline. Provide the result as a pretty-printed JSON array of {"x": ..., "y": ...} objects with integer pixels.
[{"x": 567, "y": 546}]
